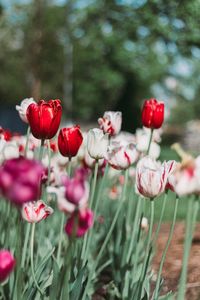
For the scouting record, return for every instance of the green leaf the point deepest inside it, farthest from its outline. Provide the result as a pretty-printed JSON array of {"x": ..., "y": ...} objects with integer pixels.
[{"x": 78, "y": 285}]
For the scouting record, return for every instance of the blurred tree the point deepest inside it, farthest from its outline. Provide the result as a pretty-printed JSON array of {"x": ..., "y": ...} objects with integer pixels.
[{"x": 102, "y": 55}]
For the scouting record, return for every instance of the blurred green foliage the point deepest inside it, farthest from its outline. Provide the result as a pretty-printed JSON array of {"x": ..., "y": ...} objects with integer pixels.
[{"x": 102, "y": 54}]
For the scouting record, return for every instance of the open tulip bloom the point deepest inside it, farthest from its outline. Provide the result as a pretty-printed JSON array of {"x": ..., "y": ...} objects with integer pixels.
[{"x": 111, "y": 122}]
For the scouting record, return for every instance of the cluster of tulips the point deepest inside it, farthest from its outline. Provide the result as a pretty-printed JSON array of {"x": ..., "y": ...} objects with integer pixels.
[{"x": 77, "y": 173}]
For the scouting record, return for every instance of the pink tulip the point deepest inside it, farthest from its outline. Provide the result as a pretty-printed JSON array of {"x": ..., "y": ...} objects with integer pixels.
[
  {"x": 79, "y": 223},
  {"x": 7, "y": 263},
  {"x": 34, "y": 212},
  {"x": 20, "y": 180}
]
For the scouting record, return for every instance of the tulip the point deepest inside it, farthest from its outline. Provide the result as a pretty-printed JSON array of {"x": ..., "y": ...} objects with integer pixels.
[
  {"x": 152, "y": 177},
  {"x": 22, "y": 108},
  {"x": 5, "y": 134},
  {"x": 97, "y": 143},
  {"x": 7, "y": 263},
  {"x": 153, "y": 114},
  {"x": 77, "y": 190},
  {"x": 20, "y": 180},
  {"x": 34, "y": 212},
  {"x": 44, "y": 118},
  {"x": 111, "y": 122},
  {"x": 69, "y": 141},
  {"x": 79, "y": 223},
  {"x": 122, "y": 155}
]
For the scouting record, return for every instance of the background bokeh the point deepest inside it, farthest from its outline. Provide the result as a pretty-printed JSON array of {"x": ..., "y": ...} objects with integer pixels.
[{"x": 101, "y": 55}]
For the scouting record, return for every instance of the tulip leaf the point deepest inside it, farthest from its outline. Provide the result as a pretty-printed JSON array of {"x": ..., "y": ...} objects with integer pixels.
[{"x": 78, "y": 285}]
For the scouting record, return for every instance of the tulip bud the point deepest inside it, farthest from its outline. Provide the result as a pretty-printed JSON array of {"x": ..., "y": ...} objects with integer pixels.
[
  {"x": 69, "y": 141},
  {"x": 79, "y": 222},
  {"x": 44, "y": 118},
  {"x": 7, "y": 263},
  {"x": 97, "y": 143},
  {"x": 111, "y": 122},
  {"x": 153, "y": 114},
  {"x": 22, "y": 108},
  {"x": 34, "y": 212},
  {"x": 122, "y": 155}
]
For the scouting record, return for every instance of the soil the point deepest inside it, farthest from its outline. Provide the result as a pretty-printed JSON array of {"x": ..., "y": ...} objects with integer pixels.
[{"x": 173, "y": 262}]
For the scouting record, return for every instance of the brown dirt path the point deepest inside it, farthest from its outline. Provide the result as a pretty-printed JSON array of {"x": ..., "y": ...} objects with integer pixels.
[{"x": 172, "y": 266}]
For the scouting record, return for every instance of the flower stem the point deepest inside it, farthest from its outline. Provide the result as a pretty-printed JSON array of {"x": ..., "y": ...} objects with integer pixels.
[
  {"x": 28, "y": 227},
  {"x": 27, "y": 140},
  {"x": 147, "y": 253},
  {"x": 121, "y": 202},
  {"x": 94, "y": 183},
  {"x": 150, "y": 140},
  {"x": 41, "y": 150},
  {"x": 165, "y": 250},
  {"x": 32, "y": 263},
  {"x": 63, "y": 219},
  {"x": 161, "y": 217}
]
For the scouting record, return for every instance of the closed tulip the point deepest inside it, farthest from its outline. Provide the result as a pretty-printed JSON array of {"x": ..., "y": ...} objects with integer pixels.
[
  {"x": 7, "y": 263},
  {"x": 111, "y": 122},
  {"x": 69, "y": 141},
  {"x": 34, "y": 212},
  {"x": 44, "y": 118},
  {"x": 97, "y": 143},
  {"x": 152, "y": 177},
  {"x": 153, "y": 114}
]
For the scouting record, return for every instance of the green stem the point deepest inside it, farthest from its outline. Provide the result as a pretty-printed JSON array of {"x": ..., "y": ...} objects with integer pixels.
[
  {"x": 69, "y": 169},
  {"x": 121, "y": 202},
  {"x": 32, "y": 263},
  {"x": 160, "y": 220},
  {"x": 49, "y": 162},
  {"x": 94, "y": 183},
  {"x": 91, "y": 232},
  {"x": 191, "y": 220},
  {"x": 165, "y": 250},
  {"x": 135, "y": 229},
  {"x": 27, "y": 140},
  {"x": 28, "y": 227},
  {"x": 60, "y": 239},
  {"x": 41, "y": 150},
  {"x": 147, "y": 252},
  {"x": 150, "y": 140}
]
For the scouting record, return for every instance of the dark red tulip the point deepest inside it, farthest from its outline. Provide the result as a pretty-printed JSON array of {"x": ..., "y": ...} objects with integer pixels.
[
  {"x": 153, "y": 114},
  {"x": 44, "y": 118},
  {"x": 69, "y": 141},
  {"x": 7, "y": 263}
]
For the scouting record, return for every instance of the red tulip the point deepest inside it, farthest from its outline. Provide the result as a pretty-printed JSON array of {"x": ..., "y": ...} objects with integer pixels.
[
  {"x": 7, "y": 263},
  {"x": 153, "y": 114},
  {"x": 69, "y": 141},
  {"x": 44, "y": 118}
]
